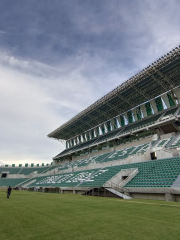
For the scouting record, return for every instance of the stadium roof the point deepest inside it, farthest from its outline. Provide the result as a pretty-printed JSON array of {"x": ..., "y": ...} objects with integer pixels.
[{"x": 157, "y": 78}]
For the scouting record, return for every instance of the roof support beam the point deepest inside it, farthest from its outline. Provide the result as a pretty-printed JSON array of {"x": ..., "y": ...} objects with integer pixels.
[
  {"x": 153, "y": 81},
  {"x": 124, "y": 99},
  {"x": 158, "y": 81},
  {"x": 115, "y": 108},
  {"x": 167, "y": 79},
  {"x": 142, "y": 92}
]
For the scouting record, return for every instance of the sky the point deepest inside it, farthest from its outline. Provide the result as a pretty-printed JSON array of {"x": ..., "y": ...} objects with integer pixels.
[{"x": 58, "y": 57}]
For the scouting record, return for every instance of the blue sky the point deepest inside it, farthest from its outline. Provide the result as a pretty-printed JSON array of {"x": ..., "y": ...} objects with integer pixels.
[{"x": 58, "y": 57}]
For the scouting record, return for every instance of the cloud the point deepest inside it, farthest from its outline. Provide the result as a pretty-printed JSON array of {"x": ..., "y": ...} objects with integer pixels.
[
  {"x": 32, "y": 105},
  {"x": 3, "y": 32},
  {"x": 70, "y": 55},
  {"x": 26, "y": 119}
]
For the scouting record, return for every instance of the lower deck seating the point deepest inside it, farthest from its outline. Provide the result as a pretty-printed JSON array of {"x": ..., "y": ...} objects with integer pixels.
[
  {"x": 157, "y": 173},
  {"x": 5, "y": 182},
  {"x": 27, "y": 171},
  {"x": 63, "y": 180},
  {"x": 22, "y": 170},
  {"x": 10, "y": 170}
]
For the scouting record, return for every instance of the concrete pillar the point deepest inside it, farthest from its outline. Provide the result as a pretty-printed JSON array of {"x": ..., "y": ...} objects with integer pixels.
[
  {"x": 80, "y": 138},
  {"x": 96, "y": 131},
  {"x": 127, "y": 194},
  {"x": 112, "y": 123},
  {"x": 153, "y": 105},
  {"x": 74, "y": 191},
  {"x": 143, "y": 109},
  {"x": 118, "y": 120},
  {"x": 62, "y": 191},
  {"x": 106, "y": 127},
  {"x": 134, "y": 114},
  {"x": 170, "y": 197},
  {"x": 126, "y": 118},
  {"x": 177, "y": 93},
  {"x": 166, "y": 100},
  {"x": 93, "y": 192}
]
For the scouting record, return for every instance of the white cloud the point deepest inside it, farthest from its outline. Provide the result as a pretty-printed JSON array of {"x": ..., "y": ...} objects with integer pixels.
[
  {"x": 32, "y": 106},
  {"x": 3, "y": 32},
  {"x": 26, "y": 119},
  {"x": 36, "y": 98}
]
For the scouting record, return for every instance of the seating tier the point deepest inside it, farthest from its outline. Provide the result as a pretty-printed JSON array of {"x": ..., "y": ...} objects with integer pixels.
[
  {"x": 11, "y": 170},
  {"x": 5, "y": 182},
  {"x": 27, "y": 171},
  {"x": 158, "y": 173}
]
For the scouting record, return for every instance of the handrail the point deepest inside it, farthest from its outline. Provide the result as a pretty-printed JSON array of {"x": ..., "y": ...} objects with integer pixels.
[{"x": 118, "y": 188}]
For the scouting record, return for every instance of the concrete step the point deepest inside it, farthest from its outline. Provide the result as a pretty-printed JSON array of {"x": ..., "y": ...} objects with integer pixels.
[{"x": 176, "y": 183}]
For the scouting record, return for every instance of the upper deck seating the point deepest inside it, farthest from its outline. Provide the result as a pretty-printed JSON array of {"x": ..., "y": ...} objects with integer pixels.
[
  {"x": 108, "y": 136},
  {"x": 76, "y": 148},
  {"x": 106, "y": 157},
  {"x": 125, "y": 153},
  {"x": 171, "y": 111},
  {"x": 137, "y": 125},
  {"x": 84, "y": 144},
  {"x": 68, "y": 150},
  {"x": 77, "y": 163},
  {"x": 176, "y": 143},
  {"x": 82, "y": 162},
  {"x": 163, "y": 142},
  {"x": 101, "y": 157},
  {"x": 140, "y": 124}
]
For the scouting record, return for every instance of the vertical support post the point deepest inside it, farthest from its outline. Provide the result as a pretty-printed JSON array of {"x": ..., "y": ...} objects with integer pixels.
[
  {"x": 153, "y": 105},
  {"x": 97, "y": 131},
  {"x": 134, "y": 114},
  {"x": 112, "y": 124},
  {"x": 118, "y": 120},
  {"x": 166, "y": 100},
  {"x": 177, "y": 93},
  {"x": 143, "y": 108},
  {"x": 126, "y": 118}
]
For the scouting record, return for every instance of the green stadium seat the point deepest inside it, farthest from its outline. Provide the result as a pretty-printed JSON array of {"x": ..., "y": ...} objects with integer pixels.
[{"x": 151, "y": 174}]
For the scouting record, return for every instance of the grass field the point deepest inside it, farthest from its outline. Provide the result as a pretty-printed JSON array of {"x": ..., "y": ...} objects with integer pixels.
[{"x": 29, "y": 215}]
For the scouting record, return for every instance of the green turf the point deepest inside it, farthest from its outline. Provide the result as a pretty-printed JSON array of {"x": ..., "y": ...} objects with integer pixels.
[{"x": 29, "y": 215}]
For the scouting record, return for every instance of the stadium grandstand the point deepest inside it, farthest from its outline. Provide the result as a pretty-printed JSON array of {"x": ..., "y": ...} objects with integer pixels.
[{"x": 126, "y": 144}]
